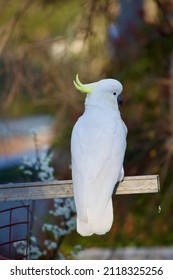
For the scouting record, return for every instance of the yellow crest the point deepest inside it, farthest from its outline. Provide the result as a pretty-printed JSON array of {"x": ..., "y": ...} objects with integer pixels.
[{"x": 81, "y": 87}]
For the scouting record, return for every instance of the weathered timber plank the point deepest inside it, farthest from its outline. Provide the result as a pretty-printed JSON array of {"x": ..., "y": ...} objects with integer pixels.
[
  {"x": 54, "y": 189},
  {"x": 139, "y": 184}
]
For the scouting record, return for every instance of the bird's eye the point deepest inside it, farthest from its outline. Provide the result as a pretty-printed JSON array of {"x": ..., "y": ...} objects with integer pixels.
[{"x": 114, "y": 93}]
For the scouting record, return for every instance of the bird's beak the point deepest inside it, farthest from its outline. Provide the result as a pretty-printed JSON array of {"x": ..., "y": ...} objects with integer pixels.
[{"x": 120, "y": 100}]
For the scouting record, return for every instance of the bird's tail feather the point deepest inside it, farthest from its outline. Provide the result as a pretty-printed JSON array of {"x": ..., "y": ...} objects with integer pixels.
[{"x": 100, "y": 223}]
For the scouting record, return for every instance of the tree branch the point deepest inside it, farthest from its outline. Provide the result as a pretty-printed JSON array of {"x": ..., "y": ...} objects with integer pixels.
[{"x": 7, "y": 30}]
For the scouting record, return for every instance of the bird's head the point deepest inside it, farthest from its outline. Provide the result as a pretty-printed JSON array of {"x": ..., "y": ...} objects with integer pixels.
[{"x": 104, "y": 93}]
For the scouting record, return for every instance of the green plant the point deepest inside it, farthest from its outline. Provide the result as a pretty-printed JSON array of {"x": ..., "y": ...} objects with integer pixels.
[{"x": 62, "y": 215}]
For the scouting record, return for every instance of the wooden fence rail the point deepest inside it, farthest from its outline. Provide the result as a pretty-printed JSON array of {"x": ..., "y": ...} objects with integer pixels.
[{"x": 54, "y": 189}]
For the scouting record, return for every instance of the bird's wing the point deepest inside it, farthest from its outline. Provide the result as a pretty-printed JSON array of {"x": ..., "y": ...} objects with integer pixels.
[{"x": 97, "y": 148}]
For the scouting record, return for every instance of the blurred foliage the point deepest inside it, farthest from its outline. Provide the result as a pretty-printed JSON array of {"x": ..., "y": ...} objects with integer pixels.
[{"x": 44, "y": 43}]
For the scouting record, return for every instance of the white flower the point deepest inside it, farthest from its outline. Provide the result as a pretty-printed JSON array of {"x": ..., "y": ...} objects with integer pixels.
[
  {"x": 35, "y": 252},
  {"x": 33, "y": 131},
  {"x": 28, "y": 172},
  {"x": 33, "y": 239},
  {"x": 21, "y": 247},
  {"x": 50, "y": 244}
]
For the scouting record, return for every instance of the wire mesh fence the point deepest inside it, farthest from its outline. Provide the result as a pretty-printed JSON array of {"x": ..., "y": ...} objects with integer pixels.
[{"x": 14, "y": 230}]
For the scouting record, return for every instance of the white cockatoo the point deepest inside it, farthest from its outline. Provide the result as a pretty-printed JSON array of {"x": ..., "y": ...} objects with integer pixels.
[{"x": 98, "y": 145}]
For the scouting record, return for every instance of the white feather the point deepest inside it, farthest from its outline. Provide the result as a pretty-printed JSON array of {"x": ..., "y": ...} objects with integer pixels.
[{"x": 98, "y": 146}]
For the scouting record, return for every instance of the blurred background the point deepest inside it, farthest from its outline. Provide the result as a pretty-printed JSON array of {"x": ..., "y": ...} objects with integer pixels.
[{"x": 43, "y": 45}]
